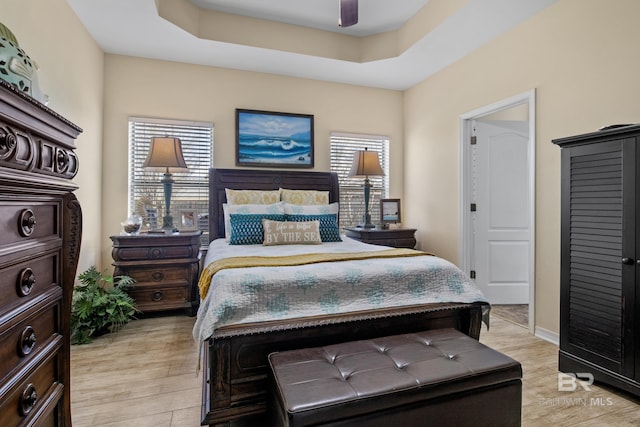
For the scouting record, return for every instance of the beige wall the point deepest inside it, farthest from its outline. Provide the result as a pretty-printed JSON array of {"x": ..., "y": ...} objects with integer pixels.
[
  {"x": 71, "y": 65},
  {"x": 582, "y": 58},
  {"x": 150, "y": 88}
]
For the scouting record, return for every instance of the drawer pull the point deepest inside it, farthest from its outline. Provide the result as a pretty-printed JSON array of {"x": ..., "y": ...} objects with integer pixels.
[
  {"x": 157, "y": 276},
  {"x": 8, "y": 142},
  {"x": 27, "y": 341},
  {"x": 25, "y": 282},
  {"x": 155, "y": 253},
  {"x": 157, "y": 296},
  {"x": 27, "y": 222},
  {"x": 29, "y": 399},
  {"x": 62, "y": 160}
]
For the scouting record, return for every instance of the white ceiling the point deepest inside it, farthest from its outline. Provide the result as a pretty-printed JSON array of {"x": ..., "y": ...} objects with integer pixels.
[
  {"x": 133, "y": 27},
  {"x": 375, "y": 16}
]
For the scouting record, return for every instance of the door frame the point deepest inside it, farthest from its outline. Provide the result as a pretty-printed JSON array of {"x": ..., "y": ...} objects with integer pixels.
[{"x": 465, "y": 240}]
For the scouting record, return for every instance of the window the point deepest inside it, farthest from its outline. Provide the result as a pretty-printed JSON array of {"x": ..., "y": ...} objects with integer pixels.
[
  {"x": 343, "y": 146},
  {"x": 190, "y": 192}
]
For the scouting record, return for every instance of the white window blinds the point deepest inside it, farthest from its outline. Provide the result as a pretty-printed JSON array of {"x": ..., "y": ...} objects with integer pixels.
[
  {"x": 343, "y": 147},
  {"x": 190, "y": 190}
]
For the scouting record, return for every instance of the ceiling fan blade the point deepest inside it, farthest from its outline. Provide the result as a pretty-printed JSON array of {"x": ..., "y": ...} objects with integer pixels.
[{"x": 348, "y": 13}]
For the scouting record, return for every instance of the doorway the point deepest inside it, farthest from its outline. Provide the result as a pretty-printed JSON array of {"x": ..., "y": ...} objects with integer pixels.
[{"x": 498, "y": 200}]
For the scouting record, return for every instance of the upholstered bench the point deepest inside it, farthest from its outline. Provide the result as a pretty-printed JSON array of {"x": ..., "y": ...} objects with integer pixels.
[{"x": 438, "y": 377}]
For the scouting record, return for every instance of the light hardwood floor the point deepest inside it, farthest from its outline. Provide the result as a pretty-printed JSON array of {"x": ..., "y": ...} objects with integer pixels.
[{"x": 145, "y": 375}]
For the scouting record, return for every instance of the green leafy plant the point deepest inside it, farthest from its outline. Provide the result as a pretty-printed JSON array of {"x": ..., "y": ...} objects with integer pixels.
[{"x": 100, "y": 304}]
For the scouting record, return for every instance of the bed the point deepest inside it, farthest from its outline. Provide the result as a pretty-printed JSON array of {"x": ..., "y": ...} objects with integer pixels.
[{"x": 234, "y": 355}]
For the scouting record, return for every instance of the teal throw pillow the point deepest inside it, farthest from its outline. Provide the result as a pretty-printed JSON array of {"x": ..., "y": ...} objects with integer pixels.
[
  {"x": 247, "y": 229},
  {"x": 329, "y": 230}
]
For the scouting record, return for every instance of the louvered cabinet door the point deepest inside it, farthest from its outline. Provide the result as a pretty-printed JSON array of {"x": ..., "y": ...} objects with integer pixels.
[{"x": 599, "y": 256}]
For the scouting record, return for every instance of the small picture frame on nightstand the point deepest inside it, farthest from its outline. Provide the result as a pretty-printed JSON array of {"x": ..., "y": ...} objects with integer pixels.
[
  {"x": 389, "y": 212},
  {"x": 188, "y": 220}
]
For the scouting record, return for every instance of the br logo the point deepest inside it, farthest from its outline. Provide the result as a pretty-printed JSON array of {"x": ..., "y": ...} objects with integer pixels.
[{"x": 571, "y": 381}]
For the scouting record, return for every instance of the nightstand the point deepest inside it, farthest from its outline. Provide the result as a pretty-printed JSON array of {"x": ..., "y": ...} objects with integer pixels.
[
  {"x": 395, "y": 237},
  {"x": 165, "y": 266}
]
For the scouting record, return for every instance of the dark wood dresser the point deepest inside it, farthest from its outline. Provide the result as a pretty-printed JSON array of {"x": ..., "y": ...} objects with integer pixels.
[
  {"x": 395, "y": 237},
  {"x": 40, "y": 231},
  {"x": 165, "y": 266}
]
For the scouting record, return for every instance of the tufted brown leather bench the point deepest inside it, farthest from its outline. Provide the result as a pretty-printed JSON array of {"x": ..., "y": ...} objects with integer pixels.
[{"x": 438, "y": 377}]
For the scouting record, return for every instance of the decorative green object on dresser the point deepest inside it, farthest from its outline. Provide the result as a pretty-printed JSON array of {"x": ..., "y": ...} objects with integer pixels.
[
  {"x": 16, "y": 68},
  {"x": 100, "y": 304}
]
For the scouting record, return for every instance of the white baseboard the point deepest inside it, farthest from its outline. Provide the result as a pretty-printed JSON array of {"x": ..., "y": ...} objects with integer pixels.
[{"x": 552, "y": 337}]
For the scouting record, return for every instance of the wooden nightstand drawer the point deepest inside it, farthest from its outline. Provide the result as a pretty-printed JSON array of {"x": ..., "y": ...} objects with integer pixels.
[
  {"x": 158, "y": 274},
  {"x": 156, "y": 298},
  {"x": 155, "y": 252}
]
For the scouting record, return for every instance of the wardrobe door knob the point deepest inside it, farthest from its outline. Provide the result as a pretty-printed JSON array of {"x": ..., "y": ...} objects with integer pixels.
[{"x": 628, "y": 261}]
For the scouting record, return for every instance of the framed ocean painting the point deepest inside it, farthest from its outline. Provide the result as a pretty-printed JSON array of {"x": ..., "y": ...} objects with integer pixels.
[{"x": 271, "y": 139}]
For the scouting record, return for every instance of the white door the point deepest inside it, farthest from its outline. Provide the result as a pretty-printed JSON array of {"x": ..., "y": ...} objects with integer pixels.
[{"x": 500, "y": 224}]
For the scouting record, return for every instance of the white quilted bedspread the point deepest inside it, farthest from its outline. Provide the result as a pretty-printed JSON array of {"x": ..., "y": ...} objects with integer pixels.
[{"x": 257, "y": 294}]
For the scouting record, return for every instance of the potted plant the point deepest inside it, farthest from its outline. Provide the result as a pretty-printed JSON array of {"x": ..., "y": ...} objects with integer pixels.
[{"x": 100, "y": 305}]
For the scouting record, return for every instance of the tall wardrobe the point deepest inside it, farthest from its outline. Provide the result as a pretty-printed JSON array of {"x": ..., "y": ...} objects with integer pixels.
[
  {"x": 40, "y": 230},
  {"x": 600, "y": 261}
]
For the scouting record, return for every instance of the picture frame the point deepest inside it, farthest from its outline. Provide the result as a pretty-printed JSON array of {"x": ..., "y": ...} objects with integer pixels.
[
  {"x": 390, "y": 211},
  {"x": 151, "y": 217},
  {"x": 274, "y": 139},
  {"x": 188, "y": 219}
]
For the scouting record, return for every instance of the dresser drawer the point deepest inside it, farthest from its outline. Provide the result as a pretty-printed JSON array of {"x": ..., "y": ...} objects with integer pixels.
[
  {"x": 150, "y": 297},
  {"x": 155, "y": 252},
  {"x": 23, "y": 220},
  {"x": 22, "y": 341},
  {"x": 33, "y": 394},
  {"x": 25, "y": 281}
]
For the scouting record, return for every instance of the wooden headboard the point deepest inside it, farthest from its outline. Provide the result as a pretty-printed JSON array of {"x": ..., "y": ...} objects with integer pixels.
[{"x": 253, "y": 179}]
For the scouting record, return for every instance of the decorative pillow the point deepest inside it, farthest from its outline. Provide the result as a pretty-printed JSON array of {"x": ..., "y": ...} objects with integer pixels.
[
  {"x": 252, "y": 197},
  {"x": 304, "y": 197},
  {"x": 274, "y": 209},
  {"x": 247, "y": 229},
  {"x": 329, "y": 230},
  {"x": 291, "y": 233},
  {"x": 332, "y": 208}
]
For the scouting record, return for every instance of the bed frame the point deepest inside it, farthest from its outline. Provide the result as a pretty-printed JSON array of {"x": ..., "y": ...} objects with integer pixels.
[{"x": 235, "y": 359}]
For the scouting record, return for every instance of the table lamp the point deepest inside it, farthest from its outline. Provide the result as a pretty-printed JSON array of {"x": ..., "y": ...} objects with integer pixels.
[
  {"x": 165, "y": 155},
  {"x": 366, "y": 164}
]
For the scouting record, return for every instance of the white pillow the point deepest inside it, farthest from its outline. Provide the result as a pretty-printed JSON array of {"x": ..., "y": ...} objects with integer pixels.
[
  {"x": 276, "y": 209},
  {"x": 331, "y": 208}
]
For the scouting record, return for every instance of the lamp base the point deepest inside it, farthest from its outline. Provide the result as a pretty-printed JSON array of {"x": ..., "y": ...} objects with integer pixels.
[
  {"x": 366, "y": 221},
  {"x": 366, "y": 226},
  {"x": 167, "y": 222}
]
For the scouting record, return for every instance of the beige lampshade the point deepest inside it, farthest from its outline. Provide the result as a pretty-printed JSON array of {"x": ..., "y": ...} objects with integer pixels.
[
  {"x": 165, "y": 155},
  {"x": 366, "y": 163}
]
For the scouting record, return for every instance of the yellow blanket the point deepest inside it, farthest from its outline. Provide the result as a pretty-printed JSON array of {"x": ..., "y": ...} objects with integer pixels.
[{"x": 292, "y": 260}]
